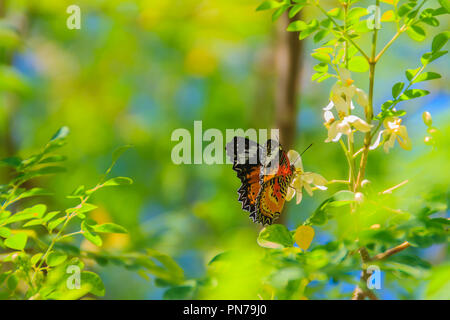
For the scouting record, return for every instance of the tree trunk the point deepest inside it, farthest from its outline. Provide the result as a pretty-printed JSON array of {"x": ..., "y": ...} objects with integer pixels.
[{"x": 288, "y": 65}]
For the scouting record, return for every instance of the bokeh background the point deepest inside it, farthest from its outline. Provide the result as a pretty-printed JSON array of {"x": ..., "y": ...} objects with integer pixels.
[{"x": 137, "y": 70}]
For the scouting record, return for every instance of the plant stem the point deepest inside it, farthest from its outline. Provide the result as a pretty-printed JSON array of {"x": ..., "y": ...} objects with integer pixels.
[
  {"x": 368, "y": 110},
  {"x": 346, "y": 36},
  {"x": 57, "y": 237},
  {"x": 399, "y": 32}
]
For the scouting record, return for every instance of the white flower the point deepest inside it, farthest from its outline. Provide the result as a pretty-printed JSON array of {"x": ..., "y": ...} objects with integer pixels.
[
  {"x": 343, "y": 92},
  {"x": 393, "y": 131},
  {"x": 302, "y": 179},
  {"x": 336, "y": 128}
]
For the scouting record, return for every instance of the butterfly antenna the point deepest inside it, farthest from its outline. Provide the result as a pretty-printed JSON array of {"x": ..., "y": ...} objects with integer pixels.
[{"x": 306, "y": 149}]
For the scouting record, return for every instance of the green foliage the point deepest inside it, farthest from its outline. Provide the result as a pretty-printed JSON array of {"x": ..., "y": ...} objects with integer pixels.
[{"x": 40, "y": 261}]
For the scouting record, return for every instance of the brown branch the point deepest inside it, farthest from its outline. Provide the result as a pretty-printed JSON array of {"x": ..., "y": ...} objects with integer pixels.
[
  {"x": 391, "y": 251},
  {"x": 361, "y": 291}
]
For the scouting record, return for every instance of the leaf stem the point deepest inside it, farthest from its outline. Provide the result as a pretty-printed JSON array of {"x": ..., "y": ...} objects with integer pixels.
[{"x": 344, "y": 33}]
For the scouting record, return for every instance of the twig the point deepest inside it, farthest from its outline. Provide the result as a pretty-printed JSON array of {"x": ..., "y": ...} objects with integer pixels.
[
  {"x": 391, "y": 251},
  {"x": 394, "y": 187}
]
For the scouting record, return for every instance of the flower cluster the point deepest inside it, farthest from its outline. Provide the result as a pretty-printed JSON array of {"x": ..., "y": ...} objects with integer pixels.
[
  {"x": 393, "y": 131},
  {"x": 342, "y": 94},
  {"x": 303, "y": 180}
]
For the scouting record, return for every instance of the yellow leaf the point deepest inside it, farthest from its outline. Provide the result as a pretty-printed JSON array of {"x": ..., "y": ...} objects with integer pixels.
[
  {"x": 388, "y": 1},
  {"x": 388, "y": 16},
  {"x": 304, "y": 236}
]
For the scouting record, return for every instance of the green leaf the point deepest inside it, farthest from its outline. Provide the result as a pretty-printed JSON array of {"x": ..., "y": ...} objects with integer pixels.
[
  {"x": 35, "y": 259},
  {"x": 179, "y": 293},
  {"x": 49, "y": 216},
  {"x": 321, "y": 67},
  {"x": 431, "y": 56},
  {"x": 445, "y": 4},
  {"x": 12, "y": 282},
  {"x": 427, "y": 76},
  {"x": 416, "y": 33},
  {"x": 56, "y": 258},
  {"x": 54, "y": 158},
  {"x": 397, "y": 89},
  {"x": 266, "y": 5},
  {"x": 11, "y": 162},
  {"x": 356, "y": 13},
  {"x": 119, "y": 151},
  {"x": 34, "y": 222},
  {"x": 358, "y": 64},
  {"x": 411, "y": 73},
  {"x": 298, "y": 25},
  {"x": 94, "y": 282},
  {"x": 279, "y": 12},
  {"x": 295, "y": 9},
  {"x": 432, "y": 21},
  {"x": 321, "y": 215},
  {"x": 90, "y": 235},
  {"x": 321, "y": 34},
  {"x": 275, "y": 236},
  {"x": 311, "y": 28},
  {"x": 35, "y": 192},
  {"x": 61, "y": 134},
  {"x": 439, "y": 41},
  {"x": 5, "y": 232},
  {"x": 53, "y": 224},
  {"x": 413, "y": 93},
  {"x": 321, "y": 56},
  {"x": 16, "y": 241},
  {"x": 109, "y": 228},
  {"x": 404, "y": 9},
  {"x": 85, "y": 207},
  {"x": 117, "y": 181}
]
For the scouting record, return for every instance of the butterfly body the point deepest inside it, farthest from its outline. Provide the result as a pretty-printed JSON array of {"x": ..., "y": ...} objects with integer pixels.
[{"x": 265, "y": 174}]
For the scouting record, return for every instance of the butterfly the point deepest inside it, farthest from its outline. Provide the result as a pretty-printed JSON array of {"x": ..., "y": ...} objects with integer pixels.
[{"x": 265, "y": 173}]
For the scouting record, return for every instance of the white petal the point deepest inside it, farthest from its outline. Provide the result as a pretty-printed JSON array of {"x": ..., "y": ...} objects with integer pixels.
[
  {"x": 290, "y": 194},
  {"x": 361, "y": 98},
  {"x": 318, "y": 180},
  {"x": 299, "y": 197},
  {"x": 344, "y": 74},
  {"x": 377, "y": 141},
  {"x": 329, "y": 106},
  {"x": 358, "y": 123},
  {"x": 338, "y": 136},
  {"x": 340, "y": 104},
  {"x": 390, "y": 142},
  {"x": 295, "y": 159},
  {"x": 405, "y": 141},
  {"x": 349, "y": 91},
  {"x": 343, "y": 127},
  {"x": 332, "y": 132},
  {"x": 308, "y": 189},
  {"x": 297, "y": 184},
  {"x": 307, "y": 177},
  {"x": 328, "y": 116}
]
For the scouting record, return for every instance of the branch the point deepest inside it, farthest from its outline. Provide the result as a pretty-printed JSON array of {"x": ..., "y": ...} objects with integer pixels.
[{"x": 392, "y": 251}]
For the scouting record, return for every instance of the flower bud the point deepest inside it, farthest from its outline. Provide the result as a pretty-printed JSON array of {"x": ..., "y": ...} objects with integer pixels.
[
  {"x": 359, "y": 197},
  {"x": 426, "y": 116},
  {"x": 365, "y": 183}
]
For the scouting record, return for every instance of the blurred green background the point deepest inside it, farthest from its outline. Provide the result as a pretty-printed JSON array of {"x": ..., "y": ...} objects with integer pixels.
[{"x": 137, "y": 70}]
